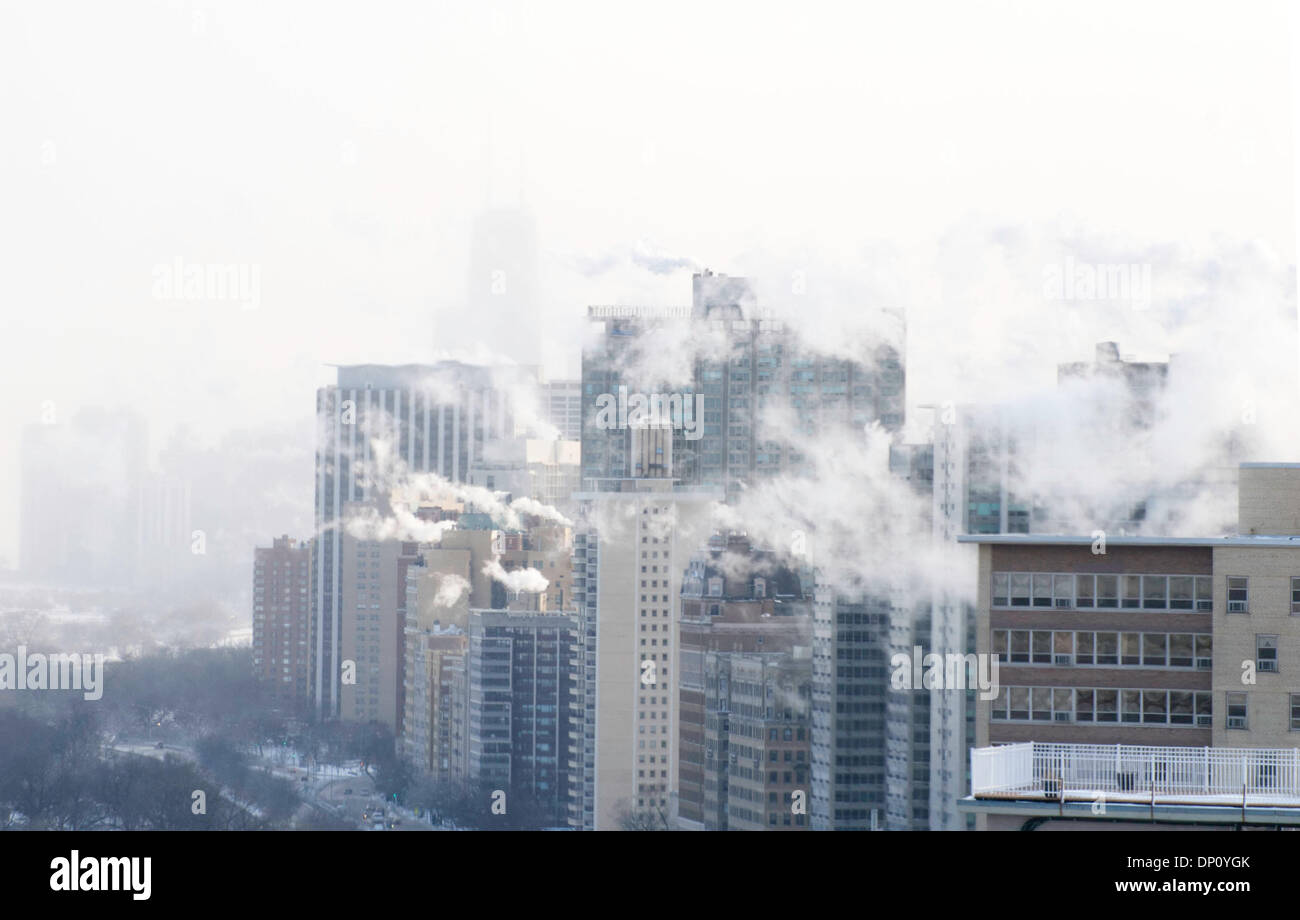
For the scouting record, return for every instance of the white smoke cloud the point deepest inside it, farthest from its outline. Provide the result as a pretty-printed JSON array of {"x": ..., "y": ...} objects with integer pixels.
[
  {"x": 528, "y": 580},
  {"x": 451, "y": 588}
]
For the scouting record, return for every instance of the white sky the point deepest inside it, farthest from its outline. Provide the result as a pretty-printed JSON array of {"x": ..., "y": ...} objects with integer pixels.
[{"x": 347, "y": 150}]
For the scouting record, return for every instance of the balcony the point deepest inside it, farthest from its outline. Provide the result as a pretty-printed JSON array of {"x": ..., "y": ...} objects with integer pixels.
[{"x": 1144, "y": 775}]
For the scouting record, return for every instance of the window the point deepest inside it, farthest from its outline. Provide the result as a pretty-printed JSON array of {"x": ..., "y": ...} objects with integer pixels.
[
  {"x": 1132, "y": 585},
  {"x": 1266, "y": 653},
  {"x": 1181, "y": 706},
  {"x": 1041, "y": 700},
  {"x": 1204, "y": 593},
  {"x": 1083, "y": 590},
  {"x": 1107, "y": 706},
  {"x": 1083, "y": 703},
  {"x": 1132, "y": 645},
  {"x": 1237, "y": 709},
  {"x": 998, "y": 706},
  {"x": 1020, "y": 703},
  {"x": 1155, "y": 706},
  {"x": 1000, "y": 638},
  {"x": 1295, "y": 595},
  {"x": 1020, "y": 646},
  {"x": 1107, "y": 590},
  {"x": 1295, "y": 712},
  {"x": 1181, "y": 648},
  {"x": 1181, "y": 591},
  {"x": 1083, "y": 646},
  {"x": 1063, "y": 648},
  {"x": 1155, "y": 591},
  {"x": 1155, "y": 651},
  {"x": 1042, "y": 590},
  {"x": 1131, "y": 703},
  {"x": 1001, "y": 587},
  {"x": 1042, "y": 647},
  {"x": 1237, "y": 594},
  {"x": 1019, "y": 590},
  {"x": 1205, "y": 709},
  {"x": 1062, "y": 704},
  {"x": 1063, "y": 590},
  {"x": 1107, "y": 648}
]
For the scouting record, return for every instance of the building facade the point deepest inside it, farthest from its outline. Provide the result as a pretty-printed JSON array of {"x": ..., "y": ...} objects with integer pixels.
[{"x": 282, "y": 617}]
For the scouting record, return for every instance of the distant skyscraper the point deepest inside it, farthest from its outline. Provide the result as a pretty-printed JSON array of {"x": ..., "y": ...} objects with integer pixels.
[
  {"x": 761, "y": 393},
  {"x": 562, "y": 407},
  {"x": 282, "y": 617}
]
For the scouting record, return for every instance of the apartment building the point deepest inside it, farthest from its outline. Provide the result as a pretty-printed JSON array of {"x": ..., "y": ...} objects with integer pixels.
[
  {"x": 426, "y": 739},
  {"x": 372, "y": 628},
  {"x": 735, "y": 599},
  {"x": 282, "y": 617},
  {"x": 769, "y": 736},
  {"x": 628, "y": 569},
  {"x": 517, "y": 706},
  {"x": 850, "y": 694}
]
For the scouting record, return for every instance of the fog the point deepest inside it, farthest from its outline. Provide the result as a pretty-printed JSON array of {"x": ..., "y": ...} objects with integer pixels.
[{"x": 461, "y": 180}]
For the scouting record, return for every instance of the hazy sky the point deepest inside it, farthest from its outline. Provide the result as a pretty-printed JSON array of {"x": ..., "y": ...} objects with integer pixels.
[{"x": 345, "y": 152}]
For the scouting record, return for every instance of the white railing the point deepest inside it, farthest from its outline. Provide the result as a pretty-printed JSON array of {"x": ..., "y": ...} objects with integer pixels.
[{"x": 1039, "y": 770}]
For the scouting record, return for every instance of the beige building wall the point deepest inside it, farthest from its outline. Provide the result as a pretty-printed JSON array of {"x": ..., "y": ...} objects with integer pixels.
[
  {"x": 369, "y": 629},
  {"x": 1268, "y": 570},
  {"x": 657, "y": 528},
  {"x": 1268, "y": 498}
]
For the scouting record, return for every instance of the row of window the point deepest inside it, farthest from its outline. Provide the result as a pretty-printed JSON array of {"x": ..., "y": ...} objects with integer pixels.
[
  {"x": 1105, "y": 649},
  {"x": 1077, "y": 704},
  {"x": 1159, "y": 707},
  {"x": 1146, "y": 592}
]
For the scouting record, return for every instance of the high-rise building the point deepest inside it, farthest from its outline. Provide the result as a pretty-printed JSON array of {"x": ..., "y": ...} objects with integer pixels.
[
  {"x": 282, "y": 617},
  {"x": 738, "y": 393},
  {"x": 735, "y": 599},
  {"x": 764, "y": 699},
  {"x": 372, "y": 627},
  {"x": 434, "y": 419},
  {"x": 426, "y": 738},
  {"x": 759, "y": 389},
  {"x": 628, "y": 567},
  {"x": 850, "y": 693},
  {"x": 518, "y": 676},
  {"x": 562, "y": 407}
]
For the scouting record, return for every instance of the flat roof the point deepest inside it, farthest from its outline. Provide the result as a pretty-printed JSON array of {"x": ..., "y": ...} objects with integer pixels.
[{"x": 1035, "y": 539}]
